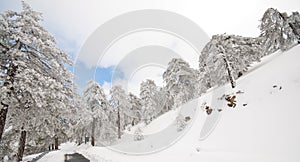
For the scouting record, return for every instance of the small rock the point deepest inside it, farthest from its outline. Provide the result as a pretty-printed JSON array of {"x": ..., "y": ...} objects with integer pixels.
[
  {"x": 209, "y": 111},
  {"x": 187, "y": 118},
  {"x": 239, "y": 92}
]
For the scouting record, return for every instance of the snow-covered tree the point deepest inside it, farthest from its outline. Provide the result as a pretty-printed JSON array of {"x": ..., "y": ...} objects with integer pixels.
[
  {"x": 294, "y": 22},
  {"x": 40, "y": 105},
  {"x": 279, "y": 31},
  {"x": 149, "y": 99},
  {"x": 203, "y": 83},
  {"x": 118, "y": 102},
  {"x": 180, "y": 81},
  {"x": 227, "y": 57},
  {"x": 138, "y": 134},
  {"x": 180, "y": 122},
  {"x": 135, "y": 109},
  {"x": 109, "y": 128},
  {"x": 165, "y": 100},
  {"x": 31, "y": 65},
  {"x": 97, "y": 103},
  {"x": 80, "y": 119}
]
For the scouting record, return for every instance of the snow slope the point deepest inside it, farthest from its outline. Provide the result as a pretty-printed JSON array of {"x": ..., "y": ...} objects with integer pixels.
[
  {"x": 266, "y": 129},
  {"x": 155, "y": 126}
]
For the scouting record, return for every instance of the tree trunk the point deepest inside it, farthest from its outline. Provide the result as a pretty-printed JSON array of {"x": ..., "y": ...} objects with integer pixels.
[
  {"x": 81, "y": 137},
  {"x": 56, "y": 143},
  {"x": 292, "y": 27},
  {"x": 93, "y": 132},
  {"x": 119, "y": 124},
  {"x": 3, "y": 114},
  {"x": 232, "y": 81},
  {"x": 21, "y": 145},
  {"x": 132, "y": 123},
  {"x": 11, "y": 72},
  {"x": 295, "y": 32}
]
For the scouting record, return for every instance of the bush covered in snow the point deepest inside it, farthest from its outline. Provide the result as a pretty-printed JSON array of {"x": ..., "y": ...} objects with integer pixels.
[
  {"x": 180, "y": 122},
  {"x": 138, "y": 135}
]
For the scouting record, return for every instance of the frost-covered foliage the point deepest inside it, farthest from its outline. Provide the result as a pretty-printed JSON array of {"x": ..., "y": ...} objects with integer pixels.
[
  {"x": 294, "y": 22},
  {"x": 118, "y": 103},
  {"x": 34, "y": 83},
  {"x": 180, "y": 81},
  {"x": 138, "y": 134},
  {"x": 95, "y": 99},
  {"x": 9, "y": 144},
  {"x": 97, "y": 104},
  {"x": 279, "y": 31},
  {"x": 150, "y": 100},
  {"x": 166, "y": 100},
  {"x": 135, "y": 109},
  {"x": 180, "y": 123},
  {"x": 81, "y": 119},
  {"x": 239, "y": 52}
]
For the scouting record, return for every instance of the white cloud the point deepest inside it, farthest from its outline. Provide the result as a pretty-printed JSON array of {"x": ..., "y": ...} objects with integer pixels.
[
  {"x": 128, "y": 44},
  {"x": 72, "y": 21},
  {"x": 76, "y": 19},
  {"x": 132, "y": 84}
]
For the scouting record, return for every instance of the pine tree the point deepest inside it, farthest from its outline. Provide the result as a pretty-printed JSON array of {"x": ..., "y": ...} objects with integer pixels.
[
  {"x": 135, "y": 108},
  {"x": 118, "y": 102},
  {"x": 294, "y": 22},
  {"x": 180, "y": 81},
  {"x": 279, "y": 31},
  {"x": 226, "y": 57},
  {"x": 80, "y": 119},
  {"x": 148, "y": 95},
  {"x": 97, "y": 103},
  {"x": 30, "y": 64},
  {"x": 165, "y": 100}
]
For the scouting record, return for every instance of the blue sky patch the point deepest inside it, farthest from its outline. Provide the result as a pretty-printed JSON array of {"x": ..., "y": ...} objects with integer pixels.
[{"x": 108, "y": 74}]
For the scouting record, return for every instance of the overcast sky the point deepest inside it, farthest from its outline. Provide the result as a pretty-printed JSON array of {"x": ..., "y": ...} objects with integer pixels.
[{"x": 72, "y": 21}]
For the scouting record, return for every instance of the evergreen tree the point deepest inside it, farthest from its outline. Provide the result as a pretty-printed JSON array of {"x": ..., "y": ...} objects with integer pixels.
[
  {"x": 148, "y": 95},
  {"x": 227, "y": 57},
  {"x": 135, "y": 109},
  {"x": 31, "y": 65},
  {"x": 118, "y": 102},
  {"x": 180, "y": 81},
  {"x": 279, "y": 31},
  {"x": 165, "y": 100},
  {"x": 80, "y": 120},
  {"x": 97, "y": 103}
]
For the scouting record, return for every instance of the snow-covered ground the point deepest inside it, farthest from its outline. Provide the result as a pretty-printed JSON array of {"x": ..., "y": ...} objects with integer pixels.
[
  {"x": 55, "y": 156},
  {"x": 264, "y": 126},
  {"x": 155, "y": 126}
]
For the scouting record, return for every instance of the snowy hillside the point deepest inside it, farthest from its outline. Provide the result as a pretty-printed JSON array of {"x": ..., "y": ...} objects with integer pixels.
[{"x": 264, "y": 126}]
